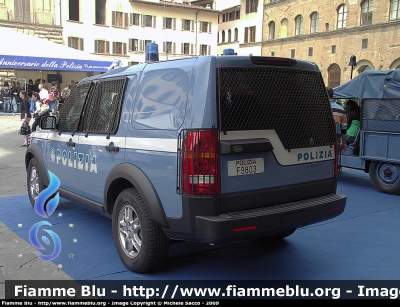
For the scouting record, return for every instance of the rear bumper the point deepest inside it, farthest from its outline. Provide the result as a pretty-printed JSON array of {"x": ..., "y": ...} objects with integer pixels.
[{"x": 265, "y": 221}]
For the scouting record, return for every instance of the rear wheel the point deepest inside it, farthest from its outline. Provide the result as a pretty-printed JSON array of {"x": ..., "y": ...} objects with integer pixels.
[
  {"x": 281, "y": 235},
  {"x": 34, "y": 182},
  {"x": 385, "y": 177},
  {"x": 141, "y": 244}
]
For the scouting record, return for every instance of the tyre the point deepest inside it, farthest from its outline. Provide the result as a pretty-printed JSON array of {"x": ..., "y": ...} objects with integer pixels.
[
  {"x": 281, "y": 235},
  {"x": 141, "y": 244},
  {"x": 34, "y": 181},
  {"x": 385, "y": 177}
]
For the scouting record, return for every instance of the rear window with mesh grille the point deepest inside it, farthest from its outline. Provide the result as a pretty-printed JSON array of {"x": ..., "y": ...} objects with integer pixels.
[
  {"x": 102, "y": 112},
  {"x": 293, "y": 102}
]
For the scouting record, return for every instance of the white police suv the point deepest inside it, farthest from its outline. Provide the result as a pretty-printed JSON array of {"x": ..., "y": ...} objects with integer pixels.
[{"x": 206, "y": 149}]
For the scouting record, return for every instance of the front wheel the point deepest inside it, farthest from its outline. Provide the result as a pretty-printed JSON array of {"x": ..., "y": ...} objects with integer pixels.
[
  {"x": 385, "y": 177},
  {"x": 141, "y": 244},
  {"x": 34, "y": 181}
]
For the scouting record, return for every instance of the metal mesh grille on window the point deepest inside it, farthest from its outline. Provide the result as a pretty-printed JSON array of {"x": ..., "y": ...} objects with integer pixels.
[
  {"x": 380, "y": 114},
  {"x": 102, "y": 114},
  {"x": 70, "y": 113},
  {"x": 292, "y": 102}
]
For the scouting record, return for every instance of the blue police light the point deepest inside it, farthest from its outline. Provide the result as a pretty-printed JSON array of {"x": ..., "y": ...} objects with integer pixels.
[
  {"x": 228, "y": 51},
  {"x": 151, "y": 53}
]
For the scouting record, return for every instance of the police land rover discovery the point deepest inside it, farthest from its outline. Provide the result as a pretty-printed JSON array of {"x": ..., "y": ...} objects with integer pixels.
[{"x": 206, "y": 149}]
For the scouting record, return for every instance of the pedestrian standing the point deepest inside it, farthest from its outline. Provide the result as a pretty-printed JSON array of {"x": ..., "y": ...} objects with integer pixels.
[
  {"x": 30, "y": 87},
  {"x": 6, "y": 93},
  {"x": 25, "y": 114},
  {"x": 15, "y": 97}
]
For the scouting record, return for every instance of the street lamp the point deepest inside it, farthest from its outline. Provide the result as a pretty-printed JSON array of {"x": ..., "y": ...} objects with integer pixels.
[{"x": 352, "y": 63}]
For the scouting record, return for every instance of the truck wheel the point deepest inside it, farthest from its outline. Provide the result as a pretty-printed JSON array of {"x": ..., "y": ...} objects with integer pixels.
[
  {"x": 385, "y": 177},
  {"x": 141, "y": 244},
  {"x": 34, "y": 182}
]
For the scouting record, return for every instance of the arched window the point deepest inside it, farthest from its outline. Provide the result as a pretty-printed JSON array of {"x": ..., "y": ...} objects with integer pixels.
[
  {"x": 364, "y": 68},
  {"x": 367, "y": 7},
  {"x": 334, "y": 75},
  {"x": 299, "y": 25},
  {"x": 284, "y": 25},
  {"x": 314, "y": 22},
  {"x": 229, "y": 35},
  {"x": 394, "y": 10},
  {"x": 223, "y": 36},
  {"x": 236, "y": 35},
  {"x": 341, "y": 16},
  {"x": 271, "y": 27}
]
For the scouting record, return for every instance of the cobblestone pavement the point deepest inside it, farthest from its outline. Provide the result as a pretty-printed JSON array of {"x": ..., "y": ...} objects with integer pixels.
[{"x": 13, "y": 183}]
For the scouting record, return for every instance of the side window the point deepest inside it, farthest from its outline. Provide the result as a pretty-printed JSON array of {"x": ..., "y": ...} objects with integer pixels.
[
  {"x": 71, "y": 111},
  {"x": 161, "y": 99},
  {"x": 103, "y": 110}
]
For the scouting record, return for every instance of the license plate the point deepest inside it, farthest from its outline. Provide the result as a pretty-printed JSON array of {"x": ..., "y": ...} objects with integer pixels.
[{"x": 245, "y": 167}]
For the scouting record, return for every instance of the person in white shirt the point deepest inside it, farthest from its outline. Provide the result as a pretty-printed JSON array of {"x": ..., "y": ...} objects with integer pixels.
[
  {"x": 44, "y": 94},
  {"x": 35, "y": 115}
]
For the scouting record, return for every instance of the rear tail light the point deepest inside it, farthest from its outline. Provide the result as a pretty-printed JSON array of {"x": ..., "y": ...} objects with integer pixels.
[{"x": 199, "y": 169}]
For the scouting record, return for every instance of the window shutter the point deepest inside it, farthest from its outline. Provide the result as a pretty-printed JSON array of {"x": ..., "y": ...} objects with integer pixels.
[
  {"x": 95, "y": 46},
  {"x": 164, "y": 23},
  {"x": 191, "y": 48},
  {"x": 113, "y": 18},
  {"x": 247, "y": 6},
  {"x": 130, "y": 47},
  {"x": 124, "y": 48},
  {"x": 246, "y": 34},
  {"x": 209, "y": 27},
  {"x": 131, "y": 18},
  {"x": 81, "y": 44},
  {"x": 174, "y": 48},
  {"x": 192, "y": 25},
  {"x": 174, "y": 23},
  {"x": 183, "y": 24},
  {"x": 201, "y": 27},
  {"x": 141, "y": 43},
  {"x": 114, "y": 47},
  {"x": 154, "y": 21},
  {"x": 126, "y": 20},
  {"x": 209, "y": 49},
  {"x": 142, "y": 22},
  {"x": 69, "y": 41},
  {"x": 163, "y": 47},
  {"x": 107, "y": 47},
  {"x": 182, "y": 48}
]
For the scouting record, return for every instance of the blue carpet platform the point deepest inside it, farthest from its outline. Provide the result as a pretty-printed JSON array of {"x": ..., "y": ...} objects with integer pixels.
[{"x": 361, "y": 244}]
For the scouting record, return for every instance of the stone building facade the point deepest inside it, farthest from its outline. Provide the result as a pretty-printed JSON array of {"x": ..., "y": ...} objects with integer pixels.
[
  {"x": 329, "y": 32},
  {"x": 121, "y": 29}
]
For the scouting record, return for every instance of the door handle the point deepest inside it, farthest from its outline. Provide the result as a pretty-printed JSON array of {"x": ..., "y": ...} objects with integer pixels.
[
  {"x": 70, "y": 144},
  {"x": 112, "y": 148}
]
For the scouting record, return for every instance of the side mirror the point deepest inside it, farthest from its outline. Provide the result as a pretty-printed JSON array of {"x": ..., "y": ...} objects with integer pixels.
[{"x": 48, "y": 123}]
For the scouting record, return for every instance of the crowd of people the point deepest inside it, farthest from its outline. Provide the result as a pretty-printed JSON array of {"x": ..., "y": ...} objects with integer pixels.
[{"x": 33, "y": 102}]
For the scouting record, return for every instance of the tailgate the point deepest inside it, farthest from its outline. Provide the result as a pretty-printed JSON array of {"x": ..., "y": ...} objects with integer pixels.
[{"x": 276, "y": 134}]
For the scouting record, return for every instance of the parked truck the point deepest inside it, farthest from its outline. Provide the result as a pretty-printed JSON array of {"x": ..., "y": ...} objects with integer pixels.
[{"x": 376, "y": 149}]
